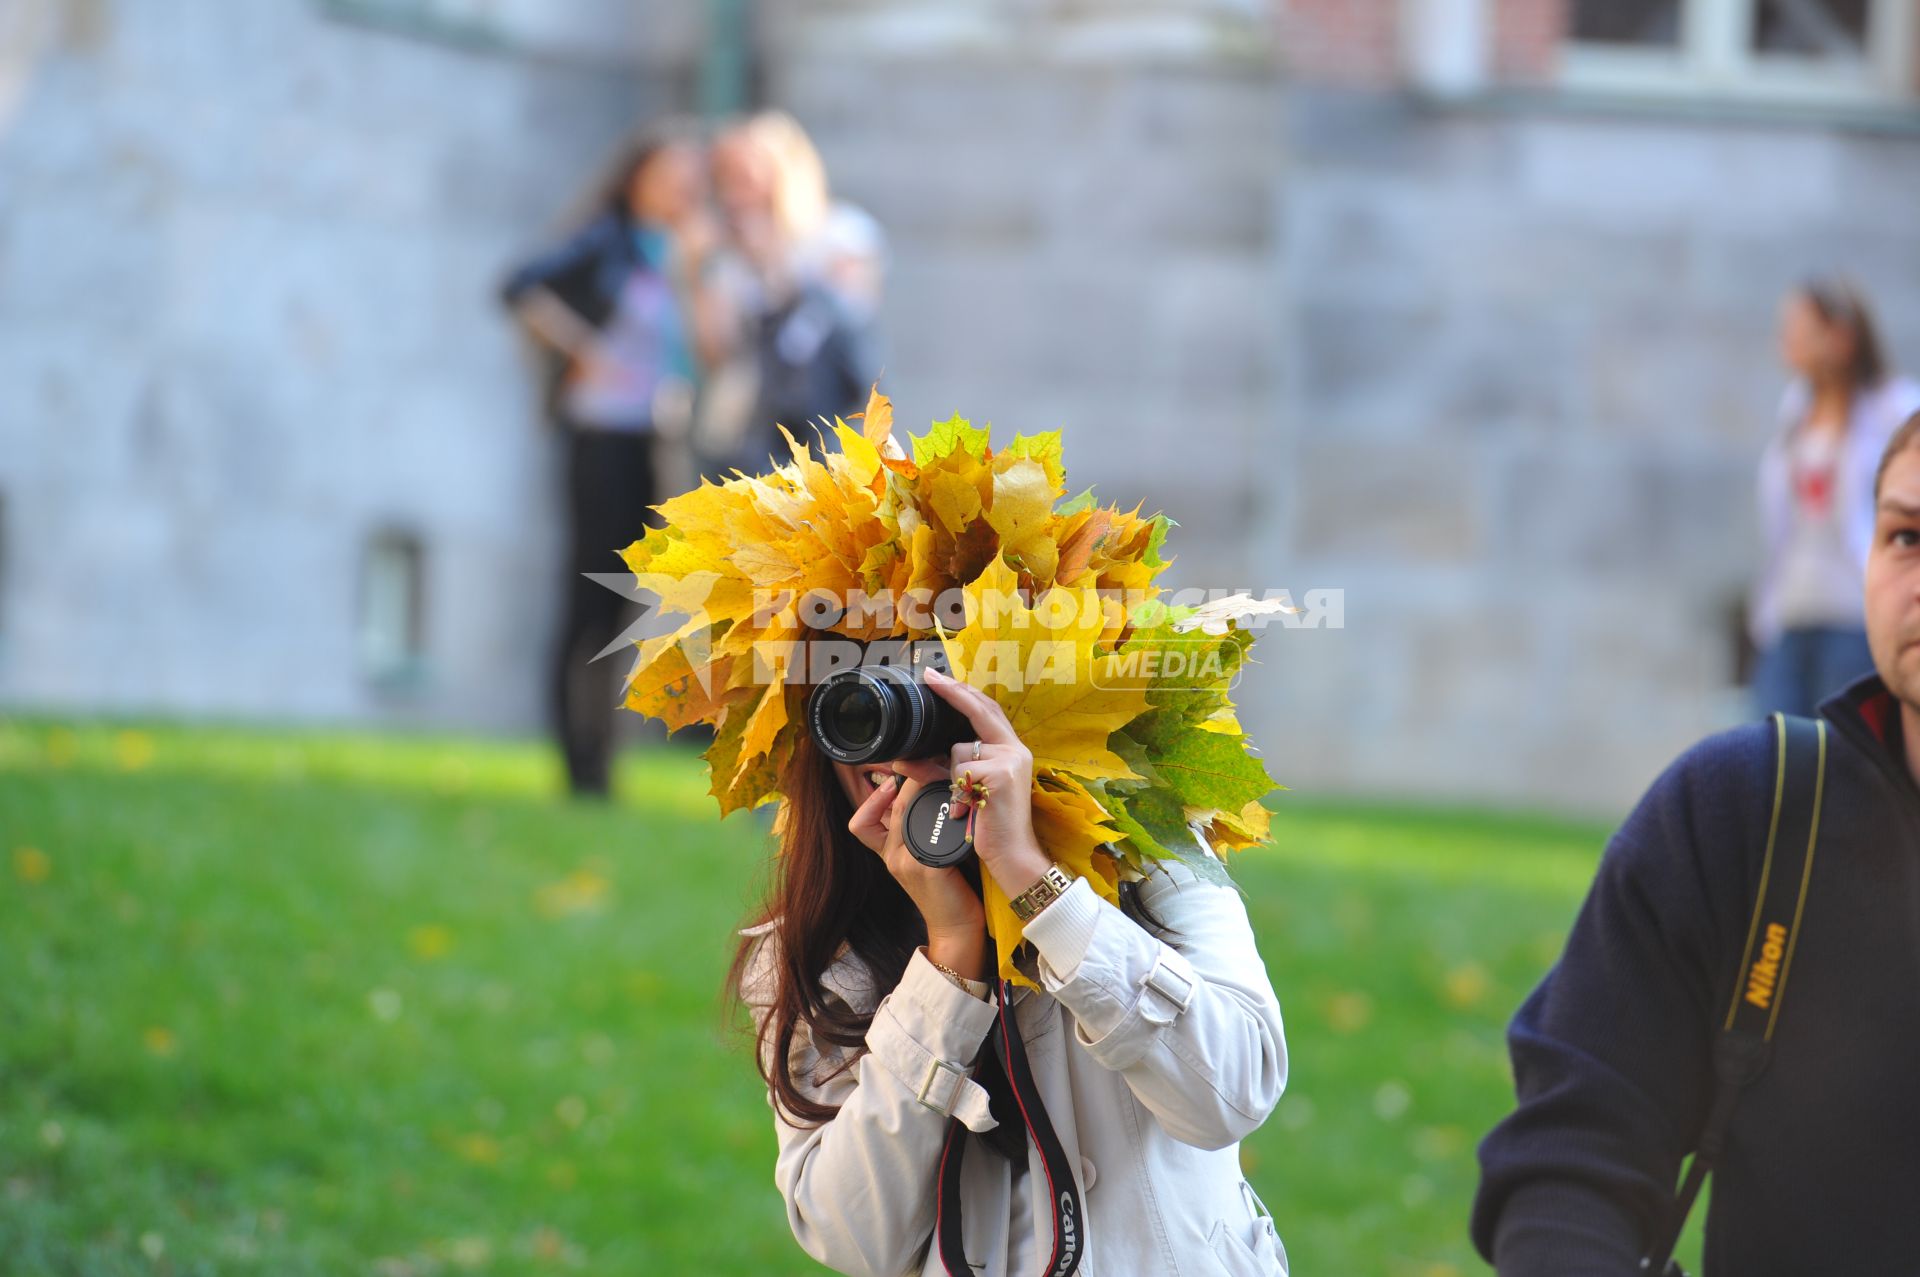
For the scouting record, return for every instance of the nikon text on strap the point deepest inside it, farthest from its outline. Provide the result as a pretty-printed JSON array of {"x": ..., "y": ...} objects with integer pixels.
[
  {"x": 1063, "y": 1193},
  {"x": 1745, "y": 1040}
]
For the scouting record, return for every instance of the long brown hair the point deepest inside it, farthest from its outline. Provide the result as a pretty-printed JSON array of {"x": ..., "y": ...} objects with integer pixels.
[
  {"x": 827, "y": 888},
  {"x": 606, "y": 190}
]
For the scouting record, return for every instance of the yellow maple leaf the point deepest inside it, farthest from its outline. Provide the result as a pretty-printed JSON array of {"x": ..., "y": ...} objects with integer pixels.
[
  {"x": 771, "y": 715},
  {"x": 876, "y": 423},
  {"x": 671, "y": 679},
  {"x": 739, "y": 781},
  {"x": 1022, "y": 513},
  {"x": 1237, "y": 831},
  {"x": 863, "y": 458},
  {"x": 1064, "y": 700},
  {"x": 1063, "y": 697}
]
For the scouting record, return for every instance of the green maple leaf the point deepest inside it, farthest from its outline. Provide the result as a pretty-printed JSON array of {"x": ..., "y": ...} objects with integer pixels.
[{"x": 945, "y": 436}]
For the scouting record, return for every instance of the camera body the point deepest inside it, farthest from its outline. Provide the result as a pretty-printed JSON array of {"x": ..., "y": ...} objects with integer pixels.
[{"x": 879, "y": 712}]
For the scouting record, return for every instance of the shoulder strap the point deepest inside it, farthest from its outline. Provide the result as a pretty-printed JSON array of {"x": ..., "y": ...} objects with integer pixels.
[
  {"x": 1063, "y": 1189},
  {"x": 1745, "y": 1040}
]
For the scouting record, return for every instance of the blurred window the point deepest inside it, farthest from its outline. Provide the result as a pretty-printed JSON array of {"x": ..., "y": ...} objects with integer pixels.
[
  {"x": 1813, "y": 51},
  {"x": 1629, "y": 22},
  {"x": 1828, "y": 30},
  {"x": 588, "y": 32},
  {"x": 392, "y": 620}
]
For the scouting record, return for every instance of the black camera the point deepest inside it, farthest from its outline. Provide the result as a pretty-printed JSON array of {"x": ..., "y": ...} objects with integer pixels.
[{"x": 877, "y": 713}]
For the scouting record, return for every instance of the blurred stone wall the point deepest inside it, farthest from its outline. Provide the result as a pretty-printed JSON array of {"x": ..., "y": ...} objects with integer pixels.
[
  {"x": 248, "y": 254},
  {"x": 1530, "y": 365},
  {"x": 1499, "y": 371},
  {"x": 1081, "y": 203}
]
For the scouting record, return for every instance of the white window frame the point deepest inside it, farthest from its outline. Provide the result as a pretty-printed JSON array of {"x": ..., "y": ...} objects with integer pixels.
[
  {"x": 1714, "y": 58},
  {"x": 590, "y": 32}
]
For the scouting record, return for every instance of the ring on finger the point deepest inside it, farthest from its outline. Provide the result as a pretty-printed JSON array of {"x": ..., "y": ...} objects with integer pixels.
[{"x": 976, "y": 751}]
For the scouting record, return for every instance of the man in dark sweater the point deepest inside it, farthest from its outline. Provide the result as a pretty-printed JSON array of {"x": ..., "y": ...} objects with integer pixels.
[{"x": 1612, "y": 1053}]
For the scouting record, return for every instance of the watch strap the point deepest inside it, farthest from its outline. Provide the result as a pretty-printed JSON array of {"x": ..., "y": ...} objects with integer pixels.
[{"x": 1037, "y": 897}]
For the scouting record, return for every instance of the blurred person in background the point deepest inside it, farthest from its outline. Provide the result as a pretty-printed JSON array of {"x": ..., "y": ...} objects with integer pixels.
[
  {"x": 626, "y": 323},
  {"x": 799, "y": 278},
  {"x": 1835, "y": 419}
]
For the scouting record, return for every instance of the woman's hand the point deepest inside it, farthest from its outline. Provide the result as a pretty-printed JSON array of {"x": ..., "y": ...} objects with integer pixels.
[
  {"x": 1003, "y": 835},
  {"x": 956, "y": 919}
]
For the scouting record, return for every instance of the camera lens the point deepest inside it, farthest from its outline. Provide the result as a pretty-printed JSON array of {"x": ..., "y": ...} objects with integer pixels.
[
  {"x": 852, "y": 713},
  {"x": 877, "y": 713}
]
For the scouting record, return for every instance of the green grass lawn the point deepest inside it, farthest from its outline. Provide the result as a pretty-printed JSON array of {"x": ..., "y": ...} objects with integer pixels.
[{"x": 288, "y": 1002}]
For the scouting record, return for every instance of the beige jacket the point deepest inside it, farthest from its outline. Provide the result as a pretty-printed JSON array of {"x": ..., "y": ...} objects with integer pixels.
[{"x": 1154, "y": 1062}]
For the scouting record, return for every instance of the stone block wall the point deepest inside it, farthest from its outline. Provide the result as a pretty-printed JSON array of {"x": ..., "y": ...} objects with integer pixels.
[
  {"x": 247, "y": 262},
  {"x": 1529, "y": 368},
  {"x": 1081, "y": 202}
]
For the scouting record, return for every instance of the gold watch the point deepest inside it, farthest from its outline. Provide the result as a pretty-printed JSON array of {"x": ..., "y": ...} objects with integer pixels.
[{"x": 1041, "y": 894}]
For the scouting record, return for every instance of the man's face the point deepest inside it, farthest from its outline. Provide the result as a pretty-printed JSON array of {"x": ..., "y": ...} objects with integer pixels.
[{"x": 1893, "y": 579}]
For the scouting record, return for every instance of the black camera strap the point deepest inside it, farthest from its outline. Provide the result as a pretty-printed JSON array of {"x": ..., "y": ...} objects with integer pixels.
[
  {"x": 1745, "y": 1041},
  {"x": 1063, "y": 1191}
]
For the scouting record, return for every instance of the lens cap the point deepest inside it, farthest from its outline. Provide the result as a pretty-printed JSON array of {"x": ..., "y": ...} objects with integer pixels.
[{"x": 933, "y": 834}]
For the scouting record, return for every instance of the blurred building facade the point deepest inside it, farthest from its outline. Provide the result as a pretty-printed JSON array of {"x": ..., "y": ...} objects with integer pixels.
[
  {"x": 1532, "y": 253},
  {"x": 1460, "y": 307},
  {"x": 268, "y": 447}
]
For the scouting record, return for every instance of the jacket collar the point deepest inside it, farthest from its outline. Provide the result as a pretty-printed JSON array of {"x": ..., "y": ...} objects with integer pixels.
[{"x": 1868, "y": 714}]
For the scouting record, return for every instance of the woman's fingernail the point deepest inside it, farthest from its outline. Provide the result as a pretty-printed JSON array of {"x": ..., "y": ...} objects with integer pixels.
[{"x": 935, "y": 674}]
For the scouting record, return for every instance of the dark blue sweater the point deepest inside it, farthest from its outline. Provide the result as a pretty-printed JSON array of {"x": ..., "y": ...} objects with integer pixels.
[{"x": 1612, "y": 1052}]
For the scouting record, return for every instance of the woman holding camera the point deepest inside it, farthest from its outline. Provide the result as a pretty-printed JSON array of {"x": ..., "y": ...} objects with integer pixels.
[{"x": 1152, "y": 1048}]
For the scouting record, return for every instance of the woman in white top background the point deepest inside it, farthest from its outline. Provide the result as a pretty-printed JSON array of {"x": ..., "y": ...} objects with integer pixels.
[{"x": 1816, "y": 495}]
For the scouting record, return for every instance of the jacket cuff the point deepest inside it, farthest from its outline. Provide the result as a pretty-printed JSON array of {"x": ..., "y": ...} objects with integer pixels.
[
  {"x": 1549, "y": 1226},
  {"x": 978, "y": 988},
  {"x": 927, "y": 1033},
  {"x": 1063, "y": 930}
]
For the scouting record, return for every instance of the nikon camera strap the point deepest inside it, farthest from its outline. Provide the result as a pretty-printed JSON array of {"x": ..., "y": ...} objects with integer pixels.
[
  {"x": 1745, "y": 1040},
  {"x": 1063, "y": 1192}
]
